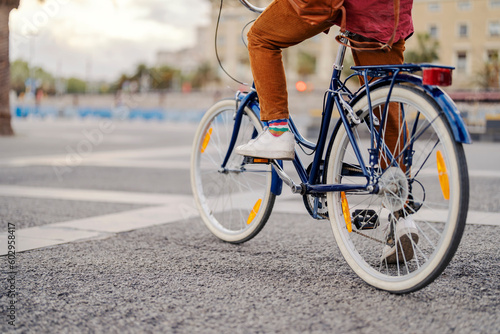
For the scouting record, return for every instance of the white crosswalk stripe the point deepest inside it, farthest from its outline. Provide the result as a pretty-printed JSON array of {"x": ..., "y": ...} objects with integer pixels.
[{"x": 166, "y": 208}]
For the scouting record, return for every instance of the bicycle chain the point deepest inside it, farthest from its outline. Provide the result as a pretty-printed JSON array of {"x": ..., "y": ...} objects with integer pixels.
[{"x": 367, "y": 236}]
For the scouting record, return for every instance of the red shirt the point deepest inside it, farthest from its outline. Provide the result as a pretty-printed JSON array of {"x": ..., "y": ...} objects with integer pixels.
[
  {"x": 375, "y": 19},
  {"x": 369, "y": 18}
]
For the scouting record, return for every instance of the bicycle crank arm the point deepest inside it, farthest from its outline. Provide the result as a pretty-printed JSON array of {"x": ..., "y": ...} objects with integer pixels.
[{"x": 296, "y": 188}]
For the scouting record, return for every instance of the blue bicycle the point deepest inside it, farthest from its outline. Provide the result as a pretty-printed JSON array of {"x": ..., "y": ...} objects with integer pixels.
[{"x": 355, "y": 181}]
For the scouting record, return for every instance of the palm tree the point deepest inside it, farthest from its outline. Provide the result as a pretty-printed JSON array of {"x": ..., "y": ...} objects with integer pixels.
[{"x": 5, "y": 8}]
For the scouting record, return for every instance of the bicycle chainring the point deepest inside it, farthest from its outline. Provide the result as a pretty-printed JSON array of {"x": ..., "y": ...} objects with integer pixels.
[{"x": 310, "y": 200}]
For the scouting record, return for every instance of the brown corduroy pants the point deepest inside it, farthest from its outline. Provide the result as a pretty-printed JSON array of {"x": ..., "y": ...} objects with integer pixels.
[{"x": 279, "y": 27}]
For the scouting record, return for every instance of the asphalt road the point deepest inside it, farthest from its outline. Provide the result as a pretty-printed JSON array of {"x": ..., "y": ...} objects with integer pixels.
[{"x": 173, "y": 276}]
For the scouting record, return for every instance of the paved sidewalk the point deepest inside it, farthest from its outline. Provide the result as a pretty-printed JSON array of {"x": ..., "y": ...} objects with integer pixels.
[{"x": 113, "y": 243}]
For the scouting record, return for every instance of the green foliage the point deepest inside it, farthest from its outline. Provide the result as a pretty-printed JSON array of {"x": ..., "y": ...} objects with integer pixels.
[
  {"x": 143, "y": 78},
  {"x": 154, "y": 77},
  {"x": 76, "y": 86},
  {"x": 203, "y": 75},
  {"x": 19, "y": 72},
  {"x": 163, "y": 77},
  {"x": 427, "y": 50},
  {"x": 46, "y": 80},
  {"x": 488, "y": 77}
]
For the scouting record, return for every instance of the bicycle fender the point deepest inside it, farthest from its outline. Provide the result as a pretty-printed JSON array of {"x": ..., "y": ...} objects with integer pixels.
[
  {"x": 455, "y": 120},
  {"x": 452, "y": 114}
]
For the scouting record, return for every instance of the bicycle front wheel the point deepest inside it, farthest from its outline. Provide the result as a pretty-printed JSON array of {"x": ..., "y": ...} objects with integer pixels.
[
  {"x": 236, "y": 201},
  {"x": 424, "y": 184}
]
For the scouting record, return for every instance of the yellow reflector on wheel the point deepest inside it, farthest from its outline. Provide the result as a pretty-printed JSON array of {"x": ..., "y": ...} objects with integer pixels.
[
  {"x": 206, "y": 140},
  {"x": 443, "y": 175},
  {"x": 346, "y": 212},
  {"x": 254, "y": 212}
]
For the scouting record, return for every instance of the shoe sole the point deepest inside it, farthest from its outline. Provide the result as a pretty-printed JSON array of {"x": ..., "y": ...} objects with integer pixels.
[
  {"x": 269, "y": 155},
  {"x": 404, "y": 246}
]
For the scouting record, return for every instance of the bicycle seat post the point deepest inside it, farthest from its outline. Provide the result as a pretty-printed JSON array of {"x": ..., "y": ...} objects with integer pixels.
[{"x": 339, "y": 61}]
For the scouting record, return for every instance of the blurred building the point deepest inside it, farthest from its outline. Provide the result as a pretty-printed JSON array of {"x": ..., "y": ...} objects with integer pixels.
[
  {"x": 311, "y": 61},
  {"x": 468, "y": 32},
  {"x": 188, "y": 59}
]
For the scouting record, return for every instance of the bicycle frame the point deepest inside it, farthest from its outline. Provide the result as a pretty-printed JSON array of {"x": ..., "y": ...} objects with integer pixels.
[
  {"x": 389, "y": 74},
  {"x": 308, "y": 181}
]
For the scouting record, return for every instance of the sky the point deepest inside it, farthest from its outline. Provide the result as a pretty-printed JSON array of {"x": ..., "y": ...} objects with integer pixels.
[{"x": 101, "y": 39}]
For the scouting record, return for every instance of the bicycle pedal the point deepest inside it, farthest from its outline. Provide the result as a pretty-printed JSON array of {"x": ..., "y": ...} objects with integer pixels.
[
  {"x": 365, "y": 219},
  {"x": 415, "y": 206},
  {"x": 252, "y": 160}
]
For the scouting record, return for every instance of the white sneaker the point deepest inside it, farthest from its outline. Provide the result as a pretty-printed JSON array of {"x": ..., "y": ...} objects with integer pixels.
[
  {"x": 406, "y": 237},
  {"x": 265, "y": 145}
]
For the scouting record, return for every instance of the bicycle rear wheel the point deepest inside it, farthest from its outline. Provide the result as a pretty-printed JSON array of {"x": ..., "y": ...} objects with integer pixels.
[
  {"x": 433, "y": 191},
  {"x": 234, "y": 202}
]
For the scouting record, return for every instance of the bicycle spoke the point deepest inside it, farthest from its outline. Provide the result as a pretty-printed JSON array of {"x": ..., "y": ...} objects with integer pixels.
[
  {"x": 226, "y": 198},
  {"x": 409, "y": 201}
]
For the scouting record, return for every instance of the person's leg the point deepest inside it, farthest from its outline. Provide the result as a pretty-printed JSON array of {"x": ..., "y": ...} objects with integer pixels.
[
  {"x": 278, "y": 27},
  {"x": 394, "y": 138},
  {"x": 402, "y": 235}
]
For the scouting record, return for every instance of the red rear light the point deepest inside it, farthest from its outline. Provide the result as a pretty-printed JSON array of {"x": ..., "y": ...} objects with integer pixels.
[{"x": 437, "y": 76}]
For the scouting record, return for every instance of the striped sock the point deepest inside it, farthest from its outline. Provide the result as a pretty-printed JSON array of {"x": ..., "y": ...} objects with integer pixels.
[{"x": 277, "y": 127}]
